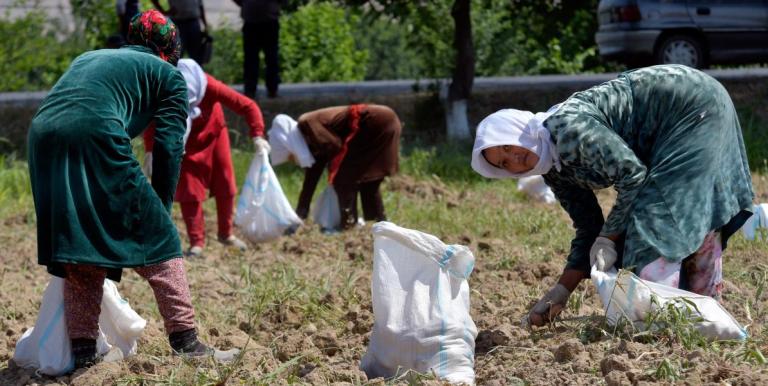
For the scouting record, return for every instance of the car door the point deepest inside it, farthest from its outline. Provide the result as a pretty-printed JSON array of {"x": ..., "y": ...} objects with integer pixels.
[{"x": 736, "y": 31}]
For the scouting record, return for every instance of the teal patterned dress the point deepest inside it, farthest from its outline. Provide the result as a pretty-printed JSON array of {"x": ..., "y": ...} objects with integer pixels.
[
  {"x": 668, "y": 139},
  {"x": 94, "y": 206}
]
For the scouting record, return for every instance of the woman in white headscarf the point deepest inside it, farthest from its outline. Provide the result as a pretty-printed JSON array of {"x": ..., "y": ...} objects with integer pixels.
[
  {"x": 359, "y": 145},
  {"x": 667, "y": 138},
  {"x": 207, "y": 163}
]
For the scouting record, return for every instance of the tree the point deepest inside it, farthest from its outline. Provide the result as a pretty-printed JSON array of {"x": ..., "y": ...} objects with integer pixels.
[
  {"x": 457, "y": 124},
  {"x": 463, "y": 69}
]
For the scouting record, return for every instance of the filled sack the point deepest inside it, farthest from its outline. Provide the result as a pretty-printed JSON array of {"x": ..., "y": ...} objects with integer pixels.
[
  {"x": 755, "y": 226},
  {"x": 46, "y": 346},
  {"x": 326, "y": 211},
  {"x": 263, "y": 212},
  {"x": 420, "y": 306},
  {"x": 628, "y": 297},
  {"x": 537, "y": 189}
]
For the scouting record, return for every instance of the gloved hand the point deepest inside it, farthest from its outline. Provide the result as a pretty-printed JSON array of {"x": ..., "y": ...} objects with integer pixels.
[
  {"x": 549, "y": 305},
  {"x": 261, "y": 145},
  {"x": 147, "y": 168},
  {"x": 603, "y": 254}
]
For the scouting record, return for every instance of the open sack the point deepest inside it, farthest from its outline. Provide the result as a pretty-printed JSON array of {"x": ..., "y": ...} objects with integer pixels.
[
  {"x": 46, "y": 347},
  {"x": 420, "y": 306},
  {"x": 326, "y": 211},
  {"x": 263, "y": 212},
  {"x": 628, "y": 297}
]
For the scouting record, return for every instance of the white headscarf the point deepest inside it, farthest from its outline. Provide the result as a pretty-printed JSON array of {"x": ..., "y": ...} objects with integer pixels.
[
  {"x": 518, "y": 128},
  {"x": 286, "y": 139},
  {"x": 197, "y": 82}
]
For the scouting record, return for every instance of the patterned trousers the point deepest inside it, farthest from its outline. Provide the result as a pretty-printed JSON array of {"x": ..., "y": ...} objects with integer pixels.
[
  {"x": 83, "y": 292},
  {"x": 701, "y": 273}
]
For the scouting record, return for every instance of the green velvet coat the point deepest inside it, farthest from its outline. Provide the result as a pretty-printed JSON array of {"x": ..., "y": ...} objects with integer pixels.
[
  {"x": 93, "y": 203},
  {"x": 668, "y": 139}
]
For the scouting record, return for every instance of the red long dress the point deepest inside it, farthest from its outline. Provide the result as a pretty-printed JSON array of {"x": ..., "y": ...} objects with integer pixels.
[{"x": 207, "y": 163}]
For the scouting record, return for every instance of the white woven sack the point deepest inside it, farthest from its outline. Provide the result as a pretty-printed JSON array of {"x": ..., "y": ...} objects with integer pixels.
[
  {"x": 537, "y": 189},
  {"x": 326, "y": 212},
  {"x": 263, "y": 212},
  {"x": 628, "y": 297},
  {"x": 420, "y": 306},
  {"x": 46, "y": 347},
  {"x": 756, "y": 225}
]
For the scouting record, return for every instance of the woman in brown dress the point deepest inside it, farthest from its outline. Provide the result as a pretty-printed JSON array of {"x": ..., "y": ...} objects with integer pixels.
[{"x": 359, "y": 144}]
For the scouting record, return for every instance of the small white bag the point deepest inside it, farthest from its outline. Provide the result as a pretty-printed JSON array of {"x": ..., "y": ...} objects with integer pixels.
[
  {"x": 420, "y": 306},
  {"x": 46, "y": 347},
  {"x": 537, "y": 189},
  {"x": 759, "y": 220},
  {"x": 263, "y": 212},
  {"x": 326, "y": 211},
  {"x": 626, "y": 296}
]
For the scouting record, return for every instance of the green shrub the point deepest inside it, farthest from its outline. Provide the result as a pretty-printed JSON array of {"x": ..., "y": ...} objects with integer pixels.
[
  {"x": 317, "y": 44},
  {"x": 33, "y": 57},
  {"x": 227, "y": 60}
]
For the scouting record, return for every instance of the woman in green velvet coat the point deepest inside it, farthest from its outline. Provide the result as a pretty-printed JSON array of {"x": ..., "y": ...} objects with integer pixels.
[
  {"x": 96, "y": 212},
  {"x": 668, "y": 140}
]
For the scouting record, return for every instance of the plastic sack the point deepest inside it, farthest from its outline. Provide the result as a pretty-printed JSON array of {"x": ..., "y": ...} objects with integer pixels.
[
  {"x": 420, "y": 306},
  {"x": 46, "y": 347},
  {"x": 326, "y": 211},
  {"x": 537, "y": 189},
  {"x": 626, "y": 296},
  {"x": 758, "y": 220},
  {"x": 263, "y": 212}
]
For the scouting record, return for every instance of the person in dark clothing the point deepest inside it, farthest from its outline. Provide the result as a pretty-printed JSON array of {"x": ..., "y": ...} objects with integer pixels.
[
  {"x": 261, "y": 32},
  {"x": 187, "y": 14},
  {"x": 126, "y": 9}
]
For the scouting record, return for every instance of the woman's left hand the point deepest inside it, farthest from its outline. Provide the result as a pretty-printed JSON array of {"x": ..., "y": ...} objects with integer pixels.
[{"x": 603, "y": 254}]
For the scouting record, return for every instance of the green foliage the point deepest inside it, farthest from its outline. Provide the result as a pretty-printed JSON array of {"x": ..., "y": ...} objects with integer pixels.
[
  {"x": 33, "y": 56},
  {"x": 317, "y": 44},
  {"x": 227, "y": 60},
  {"x": 15, "y": 188},
  {"x": 97, "y": 19},
  {"x": 535, "y": 37},
  {"x": 386, "y": 41}
]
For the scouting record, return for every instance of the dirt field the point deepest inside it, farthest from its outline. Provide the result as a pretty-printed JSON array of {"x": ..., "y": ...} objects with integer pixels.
[{"x": 301, "y": 308}]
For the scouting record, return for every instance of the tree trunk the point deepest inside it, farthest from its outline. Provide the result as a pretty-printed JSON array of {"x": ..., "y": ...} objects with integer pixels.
[{"x": 457, "y": 124}]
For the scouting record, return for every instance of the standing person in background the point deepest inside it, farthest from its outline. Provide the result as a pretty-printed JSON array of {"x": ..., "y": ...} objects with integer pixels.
[
  {"x": 261, "y": 32},
  {"x": 207, "y": 163},
  {"x": 358, "y": 143},
  {"x": 187, "y": 14},
  {"x": 96, "y": 212},
  {"x": 126, "y": 10}
]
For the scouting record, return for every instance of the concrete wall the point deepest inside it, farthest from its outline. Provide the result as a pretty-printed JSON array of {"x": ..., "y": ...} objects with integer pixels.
[{"x": 417, "y": 104}]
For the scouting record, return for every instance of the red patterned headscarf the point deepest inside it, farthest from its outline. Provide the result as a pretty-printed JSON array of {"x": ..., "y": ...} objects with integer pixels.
[{"x": 154, "y": 30}]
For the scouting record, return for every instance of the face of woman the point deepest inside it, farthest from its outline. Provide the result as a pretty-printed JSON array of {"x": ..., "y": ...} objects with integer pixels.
[{"x": 514, "y": 159}]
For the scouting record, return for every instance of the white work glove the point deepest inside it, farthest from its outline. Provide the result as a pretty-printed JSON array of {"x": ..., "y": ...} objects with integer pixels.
[
  {"x": 261, "y": 145},
  {"x": 147, "y": 168},
  {"x": 603, "y": 254},
  {"x": 549, "y": 305}
]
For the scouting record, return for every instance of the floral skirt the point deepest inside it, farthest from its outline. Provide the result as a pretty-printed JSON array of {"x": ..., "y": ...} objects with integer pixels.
[{"x": 701, "y": 273}]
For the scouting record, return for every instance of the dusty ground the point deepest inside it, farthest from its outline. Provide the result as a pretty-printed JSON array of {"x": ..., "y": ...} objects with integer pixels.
[{"x": 301, "y": 308}]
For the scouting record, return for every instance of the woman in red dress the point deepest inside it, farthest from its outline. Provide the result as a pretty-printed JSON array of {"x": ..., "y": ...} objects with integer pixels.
[{"x": 207, "y": 163}]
